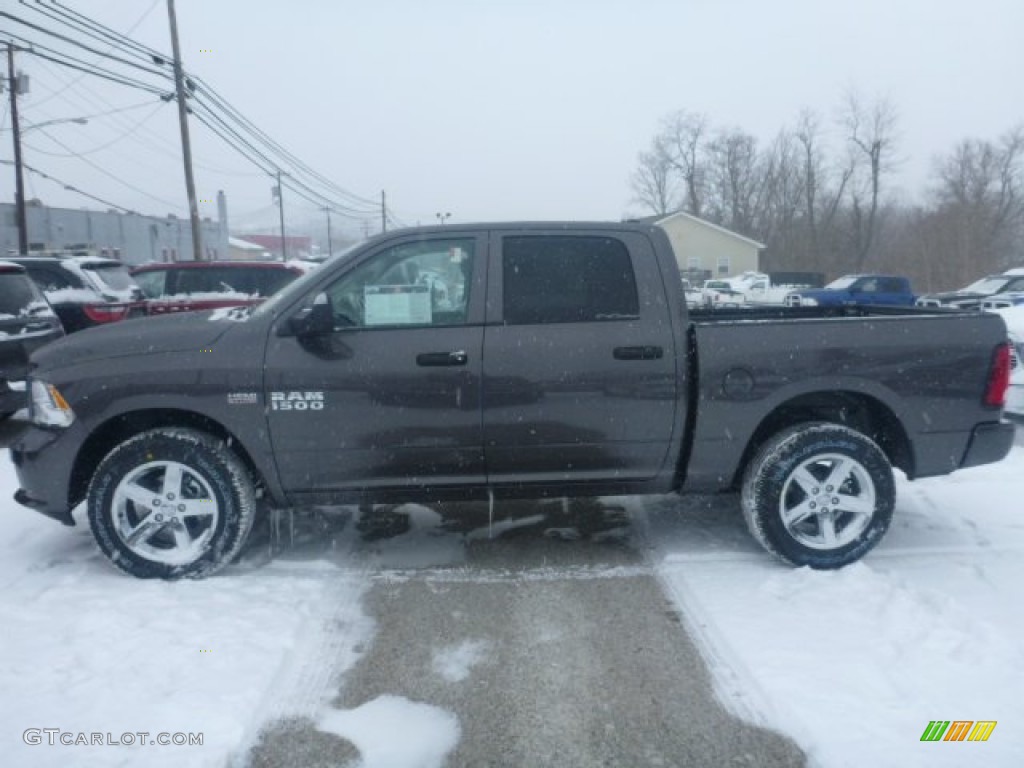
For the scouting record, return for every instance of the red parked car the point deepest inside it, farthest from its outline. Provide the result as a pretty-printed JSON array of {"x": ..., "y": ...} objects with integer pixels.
[{"x": 187, "y": 286}]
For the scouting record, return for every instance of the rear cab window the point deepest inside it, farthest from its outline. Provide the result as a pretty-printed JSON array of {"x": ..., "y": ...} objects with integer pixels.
[{"x": 567, "y": 279}]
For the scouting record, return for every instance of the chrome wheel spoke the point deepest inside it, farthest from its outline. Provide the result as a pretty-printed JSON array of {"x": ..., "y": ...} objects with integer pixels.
[
  {"x": 182, "y": 541},
  {"x": 840, "y": 471},
  {"x": 855, "y": 505},
  {"x": 799, "y": 513},
  {"x": 195, "y": 508},
  {"x": 143, "y": 531},
  {"x": 808, "y": 483},
  {"x": 138, "y": 495},
  {"x": 828, "y": 529},
  {"x": 172, "y": 480}
]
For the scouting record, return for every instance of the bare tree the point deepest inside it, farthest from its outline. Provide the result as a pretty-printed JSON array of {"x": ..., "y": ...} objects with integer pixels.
[
  {"x": 980, "y": 201},
  {"x": 684, "y": 135},
  {"x": 870, "y": 133},
  {"x": 735, "y": 180},
  {"x": 654, "y": 182}
]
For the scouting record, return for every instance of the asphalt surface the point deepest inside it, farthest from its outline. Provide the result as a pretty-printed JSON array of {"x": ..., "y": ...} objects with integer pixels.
[{"x": 579, "y": 659}]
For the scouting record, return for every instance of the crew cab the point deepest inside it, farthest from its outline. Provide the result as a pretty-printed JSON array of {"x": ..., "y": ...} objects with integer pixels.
[
  {"x": 560, "y": 359},
  {"x": 854, "y": 290}
]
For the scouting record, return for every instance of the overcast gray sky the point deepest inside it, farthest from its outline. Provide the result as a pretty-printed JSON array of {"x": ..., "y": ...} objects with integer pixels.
[{"x": 506, "y": 110}]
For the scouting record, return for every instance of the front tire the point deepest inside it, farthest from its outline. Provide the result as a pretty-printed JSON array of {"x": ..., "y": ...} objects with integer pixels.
[
  {"x": 818, "y": 494},
  {"x": 171, "y": 503}
]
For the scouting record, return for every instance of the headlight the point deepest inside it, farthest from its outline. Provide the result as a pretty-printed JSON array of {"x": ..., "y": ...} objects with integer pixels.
[
  {"x": 48, "y": 408},
  {"x": 807, "y": 301}
]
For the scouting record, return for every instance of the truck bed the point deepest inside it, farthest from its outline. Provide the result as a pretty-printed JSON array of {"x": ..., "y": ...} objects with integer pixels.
[{"x": 895, "y": 373}]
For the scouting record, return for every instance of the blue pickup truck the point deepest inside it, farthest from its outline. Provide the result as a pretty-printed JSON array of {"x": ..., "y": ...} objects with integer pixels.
[{"x": 856, "y": 290}]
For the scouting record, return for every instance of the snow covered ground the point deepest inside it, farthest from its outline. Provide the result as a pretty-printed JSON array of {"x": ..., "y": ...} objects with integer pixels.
[{"x": 852, "y": 664}]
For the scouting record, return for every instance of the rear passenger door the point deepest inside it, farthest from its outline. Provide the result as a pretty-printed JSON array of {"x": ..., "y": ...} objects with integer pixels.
[{"x": 579, "y": 373}]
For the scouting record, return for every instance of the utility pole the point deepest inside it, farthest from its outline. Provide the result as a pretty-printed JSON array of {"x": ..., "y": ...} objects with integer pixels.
[
  {"x": 19, "y": 179},
  {"x": 383, "y": 212},
  {"x": 186, "y": 144},
  {"x": 330, "y": 247},
  {"x": 280, "y": 208}
]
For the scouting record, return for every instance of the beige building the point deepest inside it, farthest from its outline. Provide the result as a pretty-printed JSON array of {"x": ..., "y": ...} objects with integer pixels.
[{"x": 705, "y": 250}]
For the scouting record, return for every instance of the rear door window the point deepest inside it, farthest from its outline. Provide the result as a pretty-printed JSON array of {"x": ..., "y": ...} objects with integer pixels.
[
  {"x": 567, "y": 279},
  {"x": 18, "y": 294}
]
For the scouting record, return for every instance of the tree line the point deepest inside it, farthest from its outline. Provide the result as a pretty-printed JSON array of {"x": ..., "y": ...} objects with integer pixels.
[{"x": 825, "y": 201}]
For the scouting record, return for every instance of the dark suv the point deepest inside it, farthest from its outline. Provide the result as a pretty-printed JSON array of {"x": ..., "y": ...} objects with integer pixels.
[
  {"x": 26, "y": 323},
  {"x": 187, "y": 286},
  {"x": 85, "y": 290}
]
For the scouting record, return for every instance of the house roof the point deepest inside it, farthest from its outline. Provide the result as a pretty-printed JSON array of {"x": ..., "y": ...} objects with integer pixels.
[{"x": 660, "y": 219}]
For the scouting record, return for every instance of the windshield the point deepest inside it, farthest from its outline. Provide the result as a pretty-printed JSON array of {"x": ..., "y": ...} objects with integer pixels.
[
  {"x": 986, "y": 285},
  {"x": 301, "y": 285},
  {"x": 841, "y": 284}
]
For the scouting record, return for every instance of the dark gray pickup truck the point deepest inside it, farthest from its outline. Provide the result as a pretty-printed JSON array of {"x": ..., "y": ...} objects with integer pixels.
[{"x": 503, "y": 360}]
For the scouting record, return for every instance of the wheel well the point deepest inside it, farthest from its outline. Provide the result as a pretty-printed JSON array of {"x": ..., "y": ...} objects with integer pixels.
[
  {"x": 863, "y": 413},
  {"x": 120, "y": 428}
]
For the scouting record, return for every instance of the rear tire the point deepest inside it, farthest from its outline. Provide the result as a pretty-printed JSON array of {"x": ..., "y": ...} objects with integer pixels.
[
  {"x": 171, "y": 503},
  {"x": 818, "y": 494}
]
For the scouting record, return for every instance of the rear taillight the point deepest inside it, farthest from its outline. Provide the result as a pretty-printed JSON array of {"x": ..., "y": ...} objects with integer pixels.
[
  {"x": 105, "y": 313},
  {"x": 998, "y": 377}
]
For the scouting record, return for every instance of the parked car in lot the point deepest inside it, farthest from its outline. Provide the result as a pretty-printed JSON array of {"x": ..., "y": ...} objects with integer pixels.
[
  {"x": 719, "y": 293},
  {"x": 856, "y": 290},
  {"x": 563, "y": 360},
  {"x": 27, "y": 322},
  {"x": 187, "y": 286},
  {"x": 1003, "y": 300},
  {"x": 975, "y": 294},
  {"x": 693, "y": 296},
  {"x": 84, "y": 291}
]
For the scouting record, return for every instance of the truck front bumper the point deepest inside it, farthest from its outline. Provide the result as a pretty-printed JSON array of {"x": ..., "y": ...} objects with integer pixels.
[
  {"x": 989, "y": 443},
  {"x": 43, "y": 459}
]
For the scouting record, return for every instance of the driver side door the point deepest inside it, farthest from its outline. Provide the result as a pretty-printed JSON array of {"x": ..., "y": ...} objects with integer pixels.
[{"x": 390, "y": 398}]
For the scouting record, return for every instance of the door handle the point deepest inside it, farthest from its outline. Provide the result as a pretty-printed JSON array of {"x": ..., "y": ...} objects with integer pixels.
[
  {"x": 435, "y": 359},
  {"x": 638, "y": 353}
]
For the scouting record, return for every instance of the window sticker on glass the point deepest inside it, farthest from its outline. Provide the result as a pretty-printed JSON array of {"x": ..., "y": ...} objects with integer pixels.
[{"x": 397, "y": 304}]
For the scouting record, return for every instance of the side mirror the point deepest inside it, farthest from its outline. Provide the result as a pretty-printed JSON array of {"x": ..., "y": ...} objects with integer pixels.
[{"x": 316, "y": 320}]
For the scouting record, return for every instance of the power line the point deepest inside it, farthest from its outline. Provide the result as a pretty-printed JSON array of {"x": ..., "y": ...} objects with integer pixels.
[
  {"x": 206, "y": 89},
  {"x": 83, "y": 46},
  {"x": 105, "y": 172},
  {"x": 95, "y": 71},
  {"x": 77, "y": 79},
  {"x": 69, "y": 187},
  {"x": 93, "y": 150}
]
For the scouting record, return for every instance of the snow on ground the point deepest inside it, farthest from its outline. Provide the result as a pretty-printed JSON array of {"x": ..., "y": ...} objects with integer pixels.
[
  {"x": 428, "y": 733},
  {"x": 88, "y": 650},
  {"x": 854, "y": 664}
]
